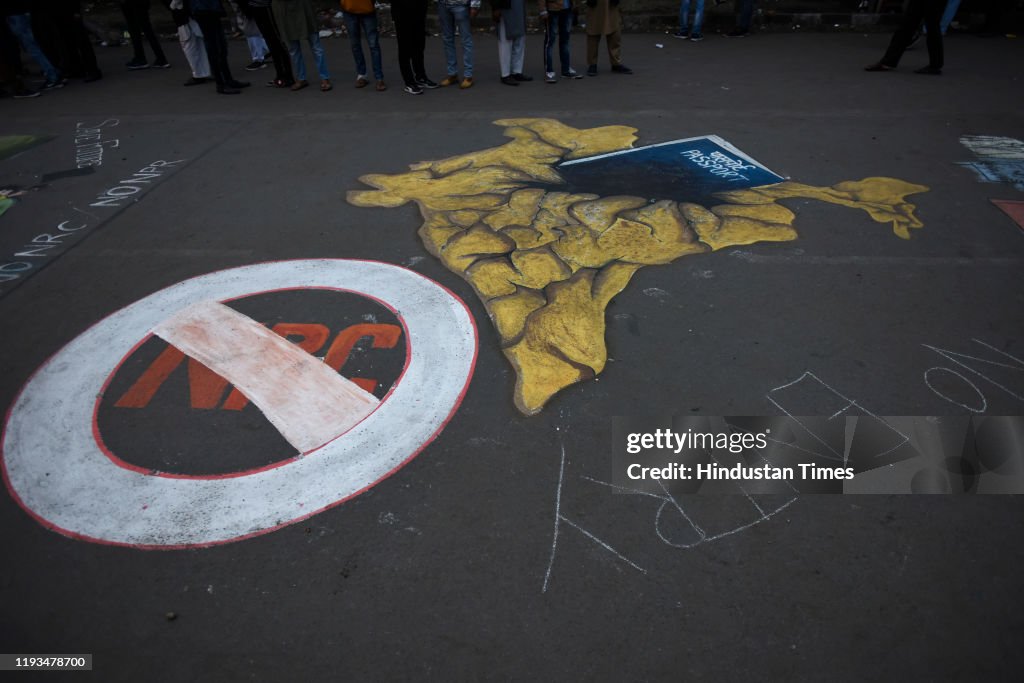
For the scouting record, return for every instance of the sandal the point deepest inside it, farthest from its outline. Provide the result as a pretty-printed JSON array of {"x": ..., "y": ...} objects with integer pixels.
[
  {"x": 325, "y": 85},
  {"x": 299, "y": 85}
]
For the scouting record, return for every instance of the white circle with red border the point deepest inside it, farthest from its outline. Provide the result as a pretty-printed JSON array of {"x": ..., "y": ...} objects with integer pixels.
[{"x": 56, "y": 470}]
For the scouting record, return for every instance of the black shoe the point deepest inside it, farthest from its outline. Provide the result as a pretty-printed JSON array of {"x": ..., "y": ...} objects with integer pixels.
[
  {"x": 521, "y": 78},
  {"x": 621, "y": 69},
  {"x": 736, "y": 33},
  {"x": 425, "y": 82},
  {"x": 413, "y": 89},
  {"x": 196, "y": 81},
  {"x": 137, "y": 64},
  {"x": 160, "y": 65},
  {"x": 256, "y": 65},
  {"x": 25, "y": 93},
  {"x": 53, "y": 85},
  {"x": 508, "y": 80},
  {"x": 92, "y": 76},
  {"x": 931, "y": 70},
  {"x": 228, "y": 91},
  {"x": 239, "y": 84},
  {"x": 592, "y": 70}
]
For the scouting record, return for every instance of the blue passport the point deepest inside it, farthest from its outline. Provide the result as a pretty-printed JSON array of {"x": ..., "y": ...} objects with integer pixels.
[{"x": 690, "y": 170}]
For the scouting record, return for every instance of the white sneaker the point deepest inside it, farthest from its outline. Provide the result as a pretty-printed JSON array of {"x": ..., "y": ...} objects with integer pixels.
[{"x": 550, "y": 77}]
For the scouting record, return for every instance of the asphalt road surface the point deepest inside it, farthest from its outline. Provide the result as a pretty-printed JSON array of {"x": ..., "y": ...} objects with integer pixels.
[{"x": 497, "y": 552}]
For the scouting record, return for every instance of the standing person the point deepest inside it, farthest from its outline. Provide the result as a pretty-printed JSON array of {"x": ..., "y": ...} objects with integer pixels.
[
  {"x": 71, "y": 51},
  {"x": 452, "y": 13},
  {"x": 19, "y": 20},
  {"x": 604, "y": 19},
  {"x": 930, "y": 11},
  {"x": 361, "y": 17},
  {"x": 190, "y": 37},
  {"x": 10, "y": 63},
  {"x": 510, "y": 15},
  {"x": 684, "y": 31},
  {"x": 556, "y": 15},
  {"x": 744, "y": 17},
  {"x": 136, "y": 15},
  {"x": 297, "y": 21},
  {"x": 258, "y": 48},
  {"x": 410, "y": 18},
  {"x": 260, "y": 11},
  {"x": 208, "y": 14}
]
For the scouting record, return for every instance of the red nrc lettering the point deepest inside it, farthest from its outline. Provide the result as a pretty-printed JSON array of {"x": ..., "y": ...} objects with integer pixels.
[
  {"x": 206, "y": 388},
  {"x": 384, "y": 336},
  {"x": 311, "y": 339}
]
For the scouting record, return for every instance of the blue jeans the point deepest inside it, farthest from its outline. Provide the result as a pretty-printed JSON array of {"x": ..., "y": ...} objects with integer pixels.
[
  {"x": 449, "y": 16},
  {"x": 295, "y": 50},
  {"x": 356, "y": 25},
  {"x": 558, "y": 25},
  {"x": 21, "y": 27},
  {"x": 698, "y": 15}
]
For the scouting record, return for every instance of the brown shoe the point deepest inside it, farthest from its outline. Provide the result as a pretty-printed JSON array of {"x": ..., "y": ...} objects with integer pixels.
[
  {"x": 466, "y": 83},
  {"x": 450, "y": 80},
  {"x": 299, "y": 85},
  {"x": 381, "y": 86},
  {"x": 362, "y": 82}
]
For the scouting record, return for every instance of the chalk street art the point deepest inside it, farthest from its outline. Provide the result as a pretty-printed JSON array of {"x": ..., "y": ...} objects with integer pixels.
[
  {"x": 1000, "y": 159},
  {"x": 1013, "y": 209},
  {"x": 338, "y": 437},
  {"x": 549, "y": 227},
  {"x": 8, "y": 197},
  {"x": 11, "y": 145}
]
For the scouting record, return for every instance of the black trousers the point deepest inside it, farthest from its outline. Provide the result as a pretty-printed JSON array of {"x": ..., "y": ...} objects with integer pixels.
[
  {"x": 216, "y": 47},
  {"x": 68, "y": 47},
  {"x": 136, "y": 13},
  {"x": 411, "y": 33},
  {"x": 929, "y": 11},
  {"x": 264, "y": 18}
]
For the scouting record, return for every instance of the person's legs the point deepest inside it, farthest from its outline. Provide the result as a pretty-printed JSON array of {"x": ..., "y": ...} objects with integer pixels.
[
  {"x": 298, "y": 62},
  {"x": 402, "y": 34},
  {"x": 462, "y": 19},
  {"x": 564, "y": 35},
  {"x": 592, "y": 44},
  {"x": 418, "y": 43},
  {"x": 504, "y": 50},
  {"x": 216, "y": 53},
  {"x": 264, "y": 18},
  {"x": 447, "y": 21},
  {"x": 353, "y": 26},
  {"x": 698, "y": 18},
  {"x": 318, "y": 54},
  {"x": 684, "y": 15},
  {"x": 550, "y": 35},
  {"x": 744, "y": 15},
  {"x": 933, "y": 22},
  {"x": 614, "y": 41},
  {"x": 905, "y": 33},
  {"x": 147, "y": 30},
  {"x": 373, "y": 40},
  {"x": 947, "y": 16},
  {"x": 518, "y": 55},
  {"x": 193, "y": 46},
  {"x": 130, "y": 9},
  {"x": 80, "y": 45},
  {"x": 21, "y": 27}
]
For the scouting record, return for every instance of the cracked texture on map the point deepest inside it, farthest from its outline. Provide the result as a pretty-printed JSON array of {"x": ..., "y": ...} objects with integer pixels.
[{"x": 547, "y": 263}]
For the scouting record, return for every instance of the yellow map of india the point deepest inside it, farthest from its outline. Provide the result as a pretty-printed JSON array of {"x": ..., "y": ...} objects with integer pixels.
[{"x": 547, "y": 263}]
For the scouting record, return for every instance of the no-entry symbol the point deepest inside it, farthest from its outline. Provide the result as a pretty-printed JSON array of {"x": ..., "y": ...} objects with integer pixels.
[{"x": 55, "y": 468}]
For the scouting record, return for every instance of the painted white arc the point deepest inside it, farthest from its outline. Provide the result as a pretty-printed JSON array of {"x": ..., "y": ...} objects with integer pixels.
[
  {"x": 56, "y": 470},
  {"x": 308, "y": 402}
]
